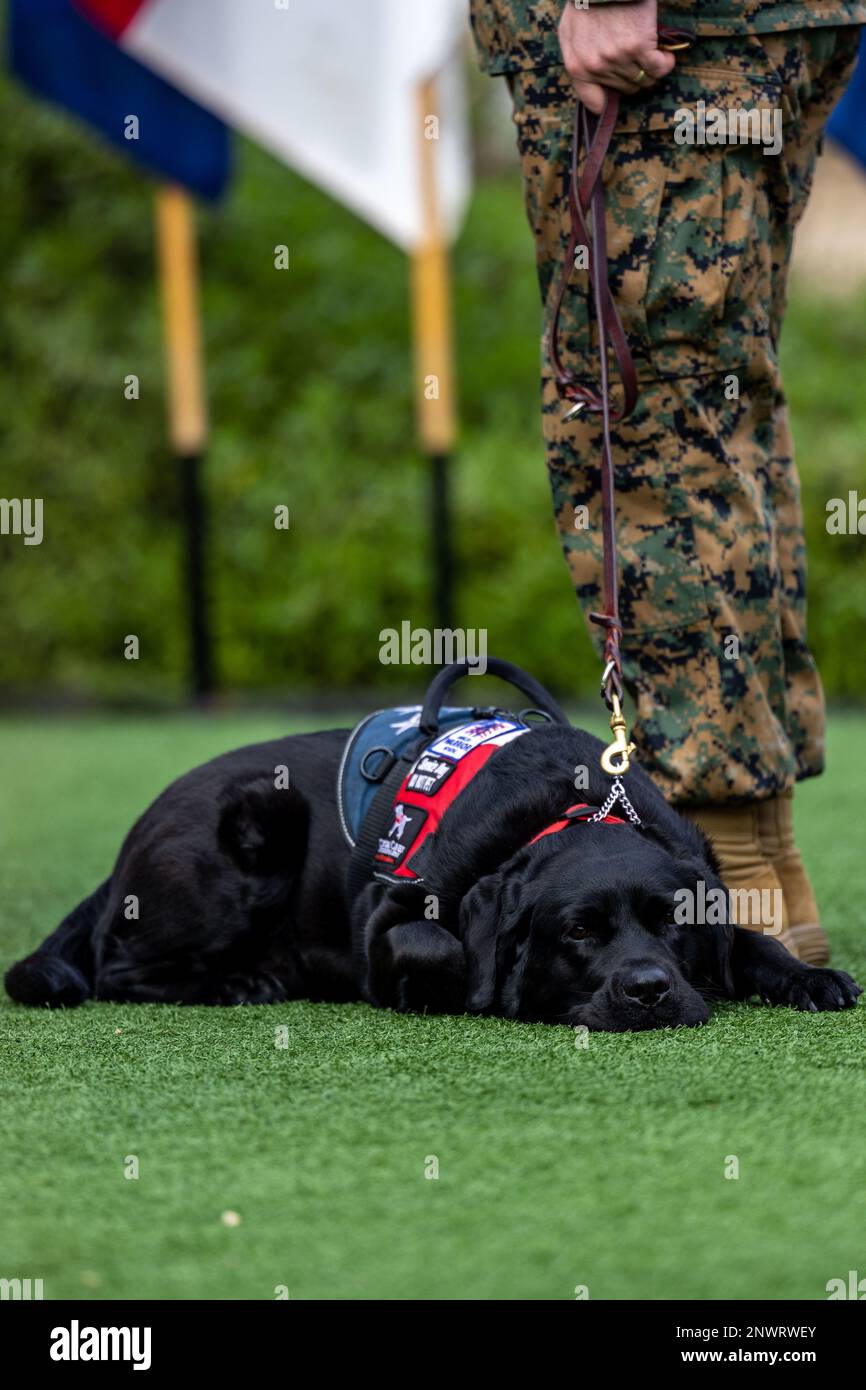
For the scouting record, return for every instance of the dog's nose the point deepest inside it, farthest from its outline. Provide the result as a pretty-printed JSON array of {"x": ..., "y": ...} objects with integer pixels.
[{"x": 645, "y": 985}]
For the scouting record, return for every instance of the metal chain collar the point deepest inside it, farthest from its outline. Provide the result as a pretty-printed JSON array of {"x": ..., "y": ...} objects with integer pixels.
[{"x": 617, "y": 793}]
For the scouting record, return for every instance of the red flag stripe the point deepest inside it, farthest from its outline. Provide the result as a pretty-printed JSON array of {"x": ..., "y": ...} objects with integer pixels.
[{"x": 112, "y": 16}]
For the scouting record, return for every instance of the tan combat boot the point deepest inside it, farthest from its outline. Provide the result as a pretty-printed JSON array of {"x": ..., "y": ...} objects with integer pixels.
[
  {"x": 776, "y": 828},
  {"x": 734, "y": 834}
]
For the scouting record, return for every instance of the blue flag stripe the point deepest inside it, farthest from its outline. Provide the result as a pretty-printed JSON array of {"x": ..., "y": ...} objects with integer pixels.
[
  {"x": 848, "y": 122},
  {"x": 61, "y": 56}
]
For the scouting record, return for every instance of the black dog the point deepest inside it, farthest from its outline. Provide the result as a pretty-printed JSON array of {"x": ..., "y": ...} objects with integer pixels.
[{"x": 230, "y": 890}]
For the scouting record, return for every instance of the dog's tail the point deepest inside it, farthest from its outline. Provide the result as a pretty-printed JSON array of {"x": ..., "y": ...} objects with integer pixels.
[{"x": 60, "y": 973}]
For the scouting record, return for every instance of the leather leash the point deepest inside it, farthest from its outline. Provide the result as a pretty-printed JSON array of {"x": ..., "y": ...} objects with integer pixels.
[{"x": 591, "y": 138}]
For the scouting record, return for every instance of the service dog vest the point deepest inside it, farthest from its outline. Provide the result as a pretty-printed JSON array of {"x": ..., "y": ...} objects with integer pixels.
[{"x": 394, "y": 786}]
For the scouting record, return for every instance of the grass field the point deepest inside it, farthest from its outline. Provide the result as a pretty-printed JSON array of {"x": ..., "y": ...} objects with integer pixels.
[{"x": 558, "y": 1166}]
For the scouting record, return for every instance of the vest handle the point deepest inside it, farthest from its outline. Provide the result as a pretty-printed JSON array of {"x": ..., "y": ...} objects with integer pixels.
[{"x": 506, "y": 671}]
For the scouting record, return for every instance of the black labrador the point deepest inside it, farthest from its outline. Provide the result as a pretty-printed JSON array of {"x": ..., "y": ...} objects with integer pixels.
[{"x": 232, "y": 890}]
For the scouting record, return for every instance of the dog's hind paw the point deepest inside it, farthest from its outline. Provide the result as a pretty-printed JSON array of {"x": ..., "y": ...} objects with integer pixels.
[{"x": 815, "y": 990}]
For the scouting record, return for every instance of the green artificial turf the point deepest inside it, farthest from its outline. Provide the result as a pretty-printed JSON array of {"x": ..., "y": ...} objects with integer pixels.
[{"x": 558, "y": 1166}]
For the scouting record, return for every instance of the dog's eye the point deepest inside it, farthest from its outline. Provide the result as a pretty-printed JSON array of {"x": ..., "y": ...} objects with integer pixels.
[
  {"x": 664, "y": 924},
  {"x": 576, "y": 933}
]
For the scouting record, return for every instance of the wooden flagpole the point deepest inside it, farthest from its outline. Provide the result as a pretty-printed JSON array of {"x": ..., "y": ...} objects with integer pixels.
[
  {"x": 187, "y": 411},
  {"x": 433, "y": 352}
]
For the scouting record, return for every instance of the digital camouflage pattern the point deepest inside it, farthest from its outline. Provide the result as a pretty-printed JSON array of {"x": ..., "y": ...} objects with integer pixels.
[
  {"x": 515, "y": 34},
  {"x": 712, "y": 561}
]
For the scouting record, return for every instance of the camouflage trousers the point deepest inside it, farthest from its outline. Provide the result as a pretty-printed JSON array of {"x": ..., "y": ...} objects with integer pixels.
[{"x": 728, "y": 701}]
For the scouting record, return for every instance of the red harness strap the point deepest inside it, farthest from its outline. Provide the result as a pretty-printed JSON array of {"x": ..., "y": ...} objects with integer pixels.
[
  {"x": 431, "y": 786},
  {"x": 569, "y": 817}
]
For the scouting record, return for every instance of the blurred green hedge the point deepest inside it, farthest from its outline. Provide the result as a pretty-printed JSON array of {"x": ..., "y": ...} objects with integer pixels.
[{"x": 309, "y": 382}]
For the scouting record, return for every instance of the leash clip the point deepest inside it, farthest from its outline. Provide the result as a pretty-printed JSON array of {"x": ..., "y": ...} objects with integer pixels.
[{"x": 615, "y": 759}]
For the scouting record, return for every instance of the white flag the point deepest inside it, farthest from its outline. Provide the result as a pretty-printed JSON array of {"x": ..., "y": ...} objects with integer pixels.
[{"x": 331, "y": 89}]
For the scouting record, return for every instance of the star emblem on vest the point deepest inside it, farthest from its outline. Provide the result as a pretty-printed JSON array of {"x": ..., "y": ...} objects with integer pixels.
[{"x": 403, "y": 725}]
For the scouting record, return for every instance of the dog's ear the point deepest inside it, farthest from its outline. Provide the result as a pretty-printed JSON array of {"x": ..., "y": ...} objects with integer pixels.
[
  {"x": 264, "y": 827},
  {"x": 710, "y": 945},
  {"x": 494, "y": 920},
  {"x": 714, "y": 941},
  {"x": 682, "y": 838}
]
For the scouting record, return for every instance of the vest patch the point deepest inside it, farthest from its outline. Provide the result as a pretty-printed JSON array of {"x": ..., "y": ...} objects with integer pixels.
[
  {"x": 428, "y": 774},
  {"x": 457, "y": 743},
  {"x": 406, "y": 825},
  {"x": 434, "y": 781}
]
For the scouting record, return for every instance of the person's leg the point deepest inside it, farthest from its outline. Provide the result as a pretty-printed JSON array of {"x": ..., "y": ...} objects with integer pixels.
[
  {"x": 729, "y": 706},
  {"x": 813, "y": 74}
]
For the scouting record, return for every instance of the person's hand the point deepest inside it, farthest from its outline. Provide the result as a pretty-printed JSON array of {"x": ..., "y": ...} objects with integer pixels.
[{"x": 612, "y": 46}]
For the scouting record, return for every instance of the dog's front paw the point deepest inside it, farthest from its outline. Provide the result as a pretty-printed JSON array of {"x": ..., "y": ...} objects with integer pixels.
[
  {"x": 250, "y": 989},
  {"x": 417, "y": 967},
  {"x": 814, "y": 990}
]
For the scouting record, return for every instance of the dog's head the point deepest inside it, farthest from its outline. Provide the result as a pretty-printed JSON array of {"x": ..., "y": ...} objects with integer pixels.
[{"x": 585, "y": 932}]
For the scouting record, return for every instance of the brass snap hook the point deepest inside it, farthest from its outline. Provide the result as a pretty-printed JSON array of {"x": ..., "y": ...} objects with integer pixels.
[{"x": 616, "y": 758}]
